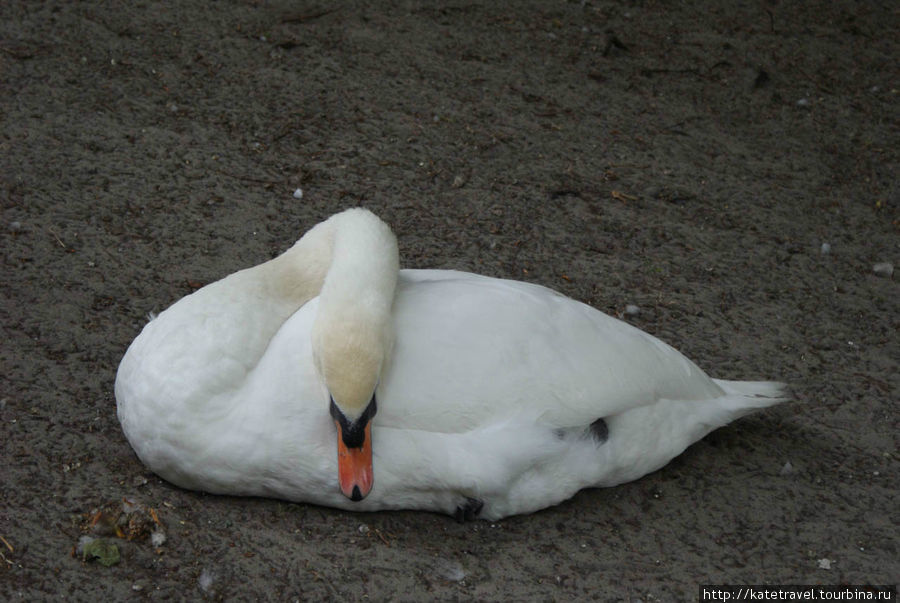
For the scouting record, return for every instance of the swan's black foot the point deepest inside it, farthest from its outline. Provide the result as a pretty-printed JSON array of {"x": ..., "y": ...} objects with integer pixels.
[
  {"x": 469, "y": 510},
  {"x": 600, "y": 431}
]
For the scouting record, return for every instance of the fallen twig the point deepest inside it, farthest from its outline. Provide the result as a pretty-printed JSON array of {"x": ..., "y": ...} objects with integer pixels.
[
  {"x": 307, "y": 17},
  {"x": 620, "y": 196},
  {"x": 383, "y": 539},
  {"x": 56, "y": 236}
]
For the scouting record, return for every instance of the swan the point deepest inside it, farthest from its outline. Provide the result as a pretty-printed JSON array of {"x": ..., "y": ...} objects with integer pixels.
[{"x": 328, "y": 375}]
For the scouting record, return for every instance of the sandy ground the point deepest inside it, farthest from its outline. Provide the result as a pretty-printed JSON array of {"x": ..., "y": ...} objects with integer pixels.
[{"x": 690, "y": 160}]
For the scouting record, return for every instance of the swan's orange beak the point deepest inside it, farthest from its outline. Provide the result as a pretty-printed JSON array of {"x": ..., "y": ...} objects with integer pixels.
[
  {"x": 354, "y": 447},
  {"x": 355, "y": 465}
]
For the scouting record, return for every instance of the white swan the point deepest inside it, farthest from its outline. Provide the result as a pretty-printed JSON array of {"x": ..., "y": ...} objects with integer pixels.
[{"x": 494, "y": 397}]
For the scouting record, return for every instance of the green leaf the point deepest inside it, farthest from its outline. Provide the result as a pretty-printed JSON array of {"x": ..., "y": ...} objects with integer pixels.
[{"x": 103, "y": 550}]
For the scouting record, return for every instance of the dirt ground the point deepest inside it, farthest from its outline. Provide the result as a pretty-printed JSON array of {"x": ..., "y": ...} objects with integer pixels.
[{"x": 728, "y": 167}]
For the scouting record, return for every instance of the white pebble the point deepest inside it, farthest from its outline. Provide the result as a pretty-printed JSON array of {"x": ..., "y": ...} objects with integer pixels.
[
  {"x": 158, "y": 538},
  {"x": 824, "y": 564},
  {"x": 363, "y": 528},
  {"x": 83, "y": 542},
  {"x": 450, "y": 570},
  {"x": 298, "y": 193},
  {"x": 883, "y": 269},
  {"x": 826, "y": 248},
  {"x": 632, "y": 310},
  {"x": 787, "y": 469},
  {"x": 803, "y": 102},
  {"x": 206, "y": 579}
]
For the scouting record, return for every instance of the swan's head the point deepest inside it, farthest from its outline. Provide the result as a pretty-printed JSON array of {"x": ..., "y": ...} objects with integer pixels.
[
  {"x": 349, "y": 356},
  {"x": 351, "y": 334}
]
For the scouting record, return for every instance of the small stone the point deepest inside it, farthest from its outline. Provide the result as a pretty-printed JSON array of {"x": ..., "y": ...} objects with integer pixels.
[
  {"x": 826, "y": 248},
  {"x": 787, "y": 469},
  {"x": 363, "y": 528},
  {"x": 82, "y": 543},
  {"x": 15, "y": 226},
  {"x": 824, "y": 564},
  {"x": 458, "y": 181},
  {"x": 206, "y": 579},
  {"x": 158, "y": 538},
  {"x": 632, "y": 310},
  {"x": 885, "y": 269},
  {"x": 449, "y": 569},
  {"x": 298, "y": 193}
]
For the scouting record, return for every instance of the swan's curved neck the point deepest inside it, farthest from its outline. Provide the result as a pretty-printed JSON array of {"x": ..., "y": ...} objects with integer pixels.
[
  {"x": 342, "y": 259},
  {"x": 351, "y": 261}
]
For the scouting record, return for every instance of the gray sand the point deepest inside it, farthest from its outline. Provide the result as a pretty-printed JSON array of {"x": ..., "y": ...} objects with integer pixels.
[{"x": 690, "y": 161}]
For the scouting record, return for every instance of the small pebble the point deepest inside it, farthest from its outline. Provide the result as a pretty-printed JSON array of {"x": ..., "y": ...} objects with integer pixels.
[
  {"x": 826, "y": 248},
  {"x": 458, "y": 181},
  {"x": 206, "y": 580},
  {"x": 824, "y": 564},
  {"x": 787, "y": 469},
  {"x": 883, "y": 269},
  {"x": 449, "y": 569},
  {"x": 298, "y": 193},
  {"x": 632, "y": 310},
  {"x": 363, "y": 528},
  {"x": 803, "y": 102},
  {"x": 158, "y": 538},
  {"x": 15, "y": 226},
  {"x": 83, "y": 542}
]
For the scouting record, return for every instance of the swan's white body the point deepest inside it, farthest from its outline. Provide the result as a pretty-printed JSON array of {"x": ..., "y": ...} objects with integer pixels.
[{"x": 487, "y": 393}]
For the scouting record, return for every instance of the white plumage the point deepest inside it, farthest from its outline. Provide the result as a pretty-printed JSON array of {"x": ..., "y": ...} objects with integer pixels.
[{"x": 486, "y": 388}]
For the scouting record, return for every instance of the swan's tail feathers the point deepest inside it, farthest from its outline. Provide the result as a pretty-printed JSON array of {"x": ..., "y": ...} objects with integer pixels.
[
  {"x": 743, "y": 397},
  {"x": 645, "y": 438}
]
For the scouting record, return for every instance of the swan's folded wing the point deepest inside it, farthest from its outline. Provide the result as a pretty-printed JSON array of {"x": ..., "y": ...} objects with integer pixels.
[{"x": 471, "y": 349}]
